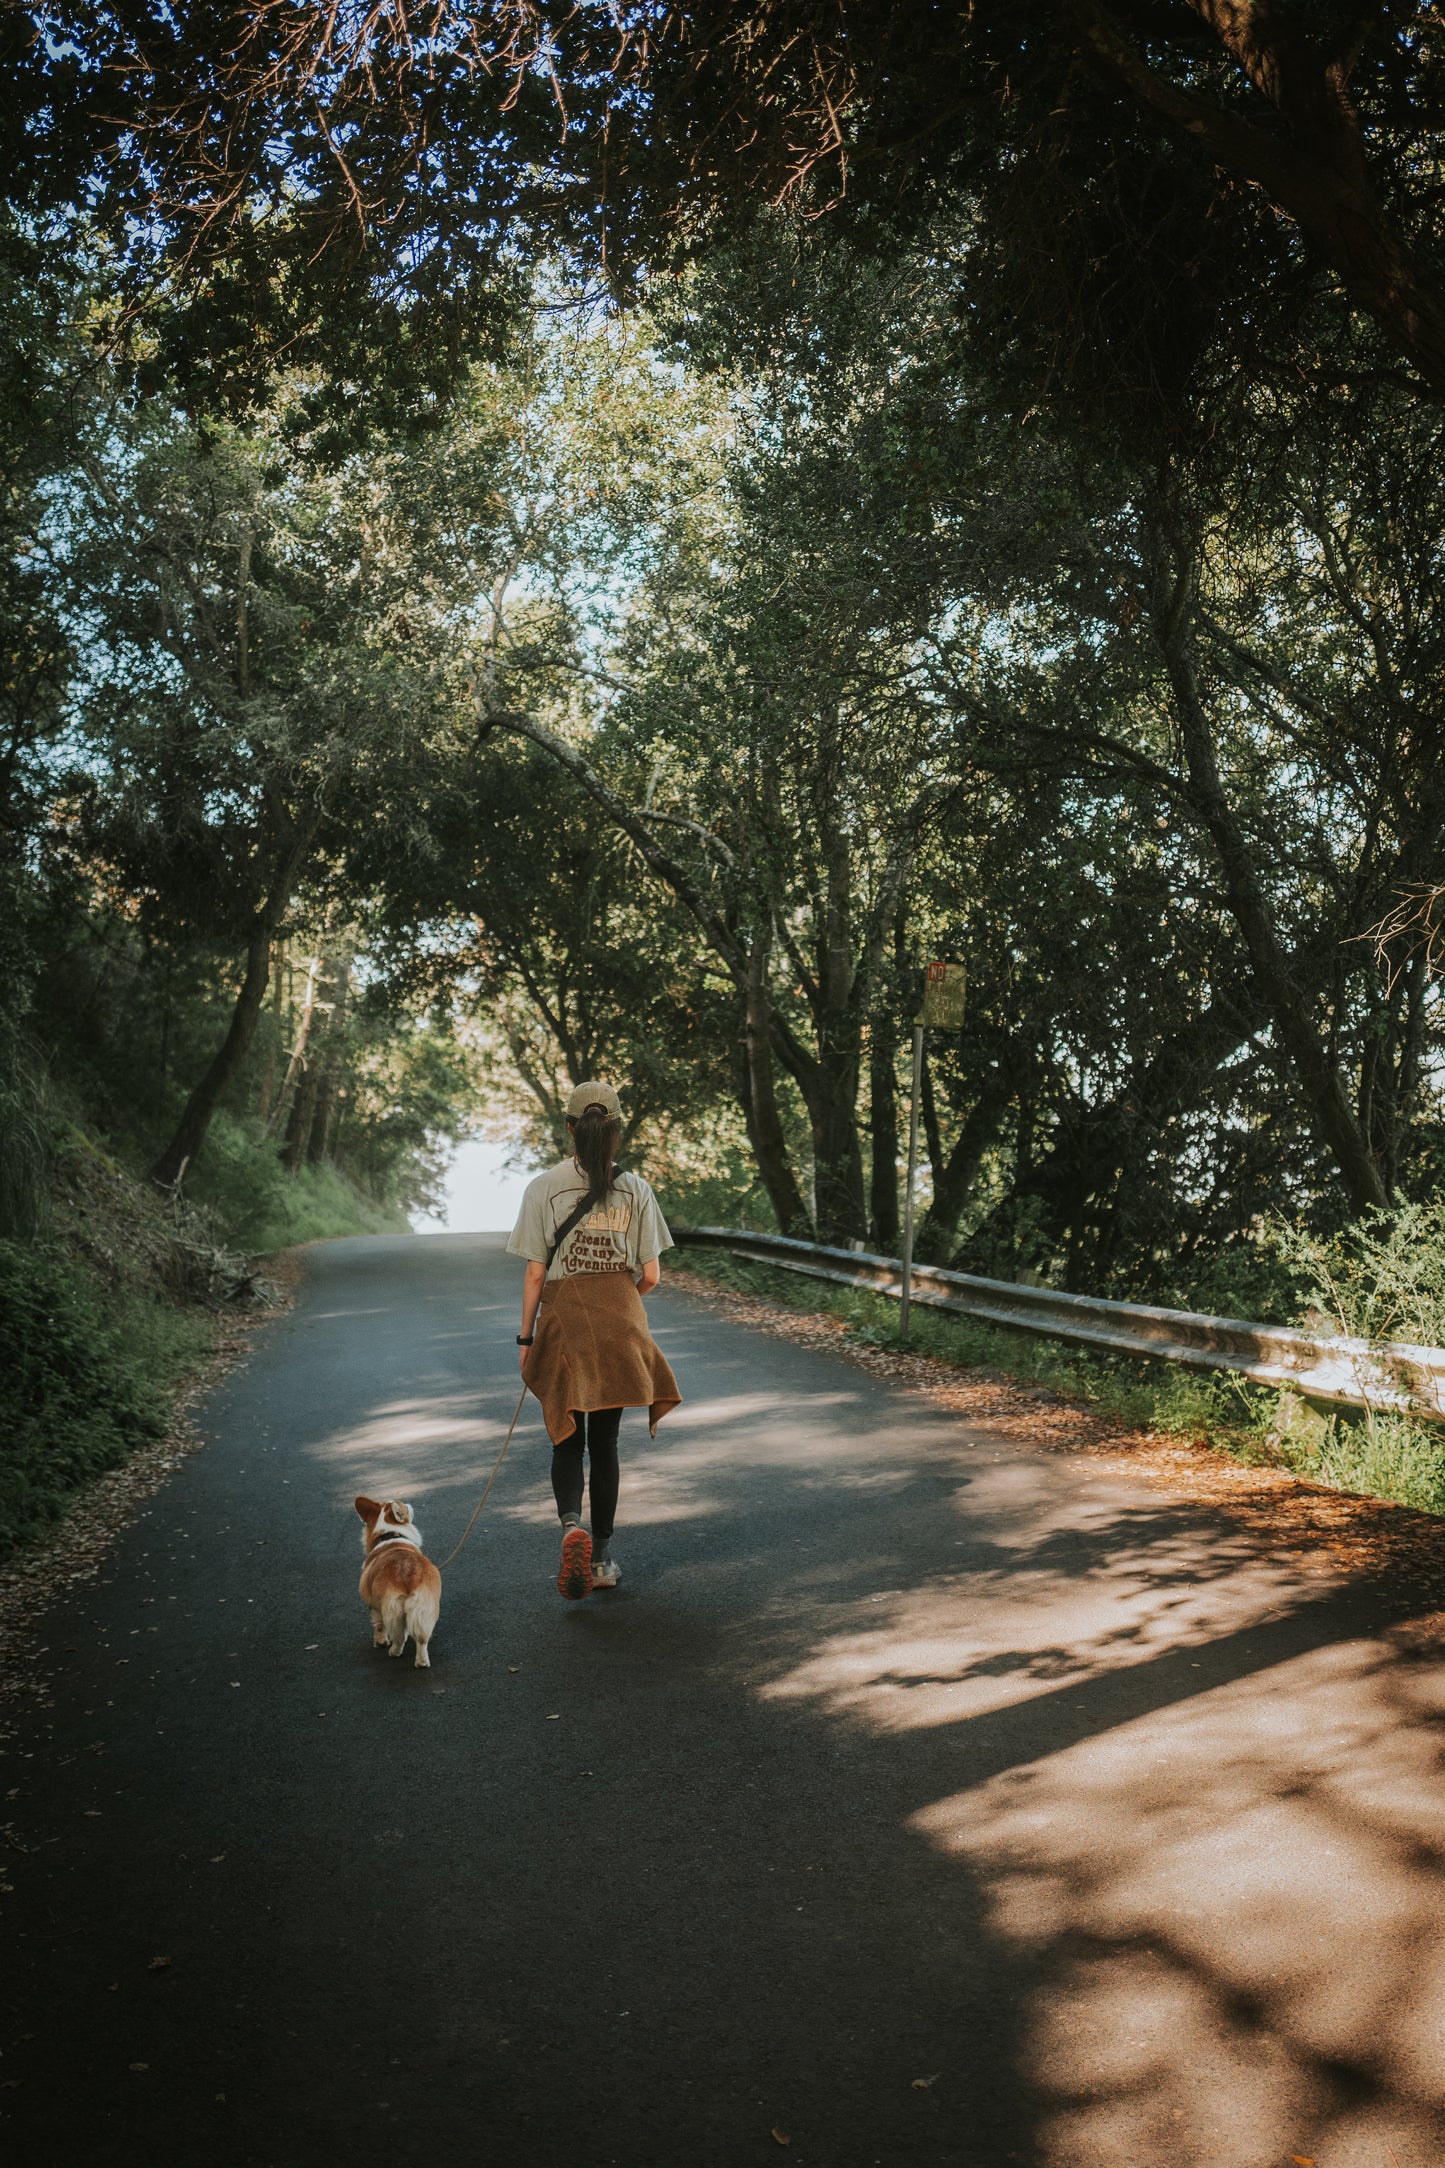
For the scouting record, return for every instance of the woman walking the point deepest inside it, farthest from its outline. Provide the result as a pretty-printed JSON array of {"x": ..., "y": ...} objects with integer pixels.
[{"x": 592, "y": 1239}]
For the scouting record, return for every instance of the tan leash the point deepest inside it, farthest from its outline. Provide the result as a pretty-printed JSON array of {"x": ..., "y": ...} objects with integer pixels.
[{"x": 491, "y": 1479}]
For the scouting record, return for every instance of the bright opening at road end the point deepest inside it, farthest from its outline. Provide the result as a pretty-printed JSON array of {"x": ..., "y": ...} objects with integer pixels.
[{"x": 482, "y": 1192}]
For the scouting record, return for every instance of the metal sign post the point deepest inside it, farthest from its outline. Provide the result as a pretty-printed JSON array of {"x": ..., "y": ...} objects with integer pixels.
[
  {"x": 912, "y": 1179},
  {"x": 943, "y": 991}
]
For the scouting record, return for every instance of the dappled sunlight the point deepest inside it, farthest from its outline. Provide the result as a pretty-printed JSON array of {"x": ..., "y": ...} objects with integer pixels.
[
  {"x": 676, "y": 1478},
  {"x": 731, "y": 1408},
  {"x": 329, "y": 1317},
  {"x": 985, "y": 1637},
  {"x": 1244, "y": 1893},
  {"x": 691, "y": 1469},
  {"x": 383, "y": 1450}
]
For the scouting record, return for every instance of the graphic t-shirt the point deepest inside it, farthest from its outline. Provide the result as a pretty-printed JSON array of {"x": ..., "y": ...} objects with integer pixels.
[{"x": 622, "y": 1235}]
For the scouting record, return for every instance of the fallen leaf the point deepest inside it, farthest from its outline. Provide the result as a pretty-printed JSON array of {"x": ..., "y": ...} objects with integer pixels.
[
  {"x": 93, "y": 1814},
  {"x": 216, "y": 1858},
  {"x": 514, "y": 1667},
  {"x": 782, "y": 2136},
  {"x": 921, "y": 2085},
  {"x": 313, "y": 1645},
  {"x": 140, "y": 2066},
  {"x": 158, "y": 1964},
  {"x": 1303, "y": 2160},
  {"x": 556, "y": 1718}
]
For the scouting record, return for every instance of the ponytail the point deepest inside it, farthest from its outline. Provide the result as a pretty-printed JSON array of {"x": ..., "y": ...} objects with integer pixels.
[{"x": 596, "y": 1135}]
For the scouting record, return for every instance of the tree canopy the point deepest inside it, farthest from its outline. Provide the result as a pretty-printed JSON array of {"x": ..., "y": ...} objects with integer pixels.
[{"x": 540, "y": 542}]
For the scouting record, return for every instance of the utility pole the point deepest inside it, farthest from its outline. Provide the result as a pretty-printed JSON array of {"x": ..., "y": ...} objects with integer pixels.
[{"x": 943, "y": 992}]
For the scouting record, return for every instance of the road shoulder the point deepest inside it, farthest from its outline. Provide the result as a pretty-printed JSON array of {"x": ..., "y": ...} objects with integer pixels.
[{"x": 1324, "y": 1531}]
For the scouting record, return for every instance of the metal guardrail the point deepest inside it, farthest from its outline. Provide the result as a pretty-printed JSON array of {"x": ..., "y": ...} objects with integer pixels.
[{"x": 1330, "y": 1373}]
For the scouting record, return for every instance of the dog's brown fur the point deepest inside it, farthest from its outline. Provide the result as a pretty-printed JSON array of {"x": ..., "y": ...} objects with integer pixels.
[{"x": 400, "y": 1586}]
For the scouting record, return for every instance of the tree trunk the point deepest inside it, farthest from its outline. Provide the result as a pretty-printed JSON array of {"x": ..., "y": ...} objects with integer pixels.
[
  {"x": 1313, "y": 168},
  {"x": 829, "y": 1081},
  {"x": 303, "y": 1114},
  {"x": 292, "y": 850},
  {"x": 170, "y": 1169},
  {"x": 1093, "y": 1164},
  {"x": 954, "y": 1179},
  {"x": 832, "y": 1095},
  {"x": 883, "y": 1118},
  {"x": 318, "y": 1144},
  {"x": 760, "y": 1105},
  {"x": 268, "y": 1081},
  {"x": 328, "y": 1084},
  {"x": 297, "y": 1061},
  {"x": 932, "y": 1134},
  {"x": 1317, "y": 1077}
]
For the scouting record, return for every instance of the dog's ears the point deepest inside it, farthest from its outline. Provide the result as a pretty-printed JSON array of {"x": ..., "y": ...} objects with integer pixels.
[
  {"x": 400, "y": 1514},
  {"x": 368, "y": 1508}
]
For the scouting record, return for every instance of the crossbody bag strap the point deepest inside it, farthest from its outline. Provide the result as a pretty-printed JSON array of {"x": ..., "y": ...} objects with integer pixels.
[{"x": 566, "y": 1227}]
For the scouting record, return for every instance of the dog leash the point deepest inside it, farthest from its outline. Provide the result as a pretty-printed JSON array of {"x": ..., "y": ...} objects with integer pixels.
[{"x": 491, "y": 1479}]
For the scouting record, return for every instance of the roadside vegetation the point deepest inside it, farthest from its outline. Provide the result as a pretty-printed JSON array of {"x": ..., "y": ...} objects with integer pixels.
[{"x": 1381, "y": 1284}]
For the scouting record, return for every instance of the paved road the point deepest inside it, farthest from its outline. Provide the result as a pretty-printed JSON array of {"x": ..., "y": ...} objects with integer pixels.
[{"x": 915, "y": 1801}]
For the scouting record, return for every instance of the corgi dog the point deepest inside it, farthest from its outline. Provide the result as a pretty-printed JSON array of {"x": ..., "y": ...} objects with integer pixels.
[{"x": 400, "y": 1587}]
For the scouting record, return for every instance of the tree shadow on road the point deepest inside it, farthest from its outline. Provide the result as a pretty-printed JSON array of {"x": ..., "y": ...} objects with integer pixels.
[{"x": 1194, "y": 1787}]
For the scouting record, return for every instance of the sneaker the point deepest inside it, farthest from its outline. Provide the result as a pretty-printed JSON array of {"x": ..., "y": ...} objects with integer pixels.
[
  {"x": 606, "y": 1573},
  {"x": 574, "y": 1574}
]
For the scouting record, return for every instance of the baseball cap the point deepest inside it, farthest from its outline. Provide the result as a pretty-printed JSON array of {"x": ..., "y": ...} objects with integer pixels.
[{"x": 593, "y": 1095}]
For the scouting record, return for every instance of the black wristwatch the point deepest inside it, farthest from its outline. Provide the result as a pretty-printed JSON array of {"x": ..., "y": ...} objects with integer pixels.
[{"x": 527, "y": 1342}]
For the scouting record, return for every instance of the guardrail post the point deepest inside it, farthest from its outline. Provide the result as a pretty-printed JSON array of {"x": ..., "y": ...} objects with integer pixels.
[{"x": 903, "y": 1307}]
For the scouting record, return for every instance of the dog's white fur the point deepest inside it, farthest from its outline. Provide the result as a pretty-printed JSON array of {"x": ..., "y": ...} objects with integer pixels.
[{"x": 400, "y": 1586}]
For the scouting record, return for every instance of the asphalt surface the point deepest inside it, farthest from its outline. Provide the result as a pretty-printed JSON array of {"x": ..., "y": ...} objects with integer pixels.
[{"x": 914, "y": 1801}]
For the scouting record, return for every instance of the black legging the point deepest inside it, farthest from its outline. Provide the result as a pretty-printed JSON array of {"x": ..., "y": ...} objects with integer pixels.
[{"x": 597, "y": 1433}]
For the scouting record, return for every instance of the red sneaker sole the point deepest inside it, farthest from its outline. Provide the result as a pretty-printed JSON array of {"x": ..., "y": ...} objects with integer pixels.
[{"x": 574, "y": 1575}]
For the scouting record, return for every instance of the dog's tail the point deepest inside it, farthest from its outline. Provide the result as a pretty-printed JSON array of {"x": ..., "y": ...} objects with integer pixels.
[{"x": 422, "y": 1610}]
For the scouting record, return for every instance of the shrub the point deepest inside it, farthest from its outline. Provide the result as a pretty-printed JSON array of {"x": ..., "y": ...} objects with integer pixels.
[
  {"x": 240, "y": 1180},
  {"x": 1381, "y": 1279},
  {"x": 83, "y": 1382}
]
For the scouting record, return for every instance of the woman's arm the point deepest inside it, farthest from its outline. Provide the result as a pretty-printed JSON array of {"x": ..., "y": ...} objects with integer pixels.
[
  {"x": 534, "y": 1279},
  {"x": 649, "y": 1277}
]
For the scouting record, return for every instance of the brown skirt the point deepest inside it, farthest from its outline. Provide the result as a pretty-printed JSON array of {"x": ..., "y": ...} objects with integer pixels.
[{"x": 593, "y": 1350}]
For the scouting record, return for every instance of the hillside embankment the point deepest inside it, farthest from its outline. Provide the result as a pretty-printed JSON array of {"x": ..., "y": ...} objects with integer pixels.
[{"x": 114, "y": 1310}]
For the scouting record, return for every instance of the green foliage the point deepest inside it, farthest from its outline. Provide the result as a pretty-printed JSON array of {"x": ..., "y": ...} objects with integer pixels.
[
  {"x": 704, "y": 1174},
  {"x": 84, "y": 1380},
  {"x": 261, "y": 1207},
  {"x": 1260, "y": 1280},
  {"x": 1379, "y": 1455},
  {"x": 830, "y": 664},
  {"x": 1381, "y": 1278}
]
